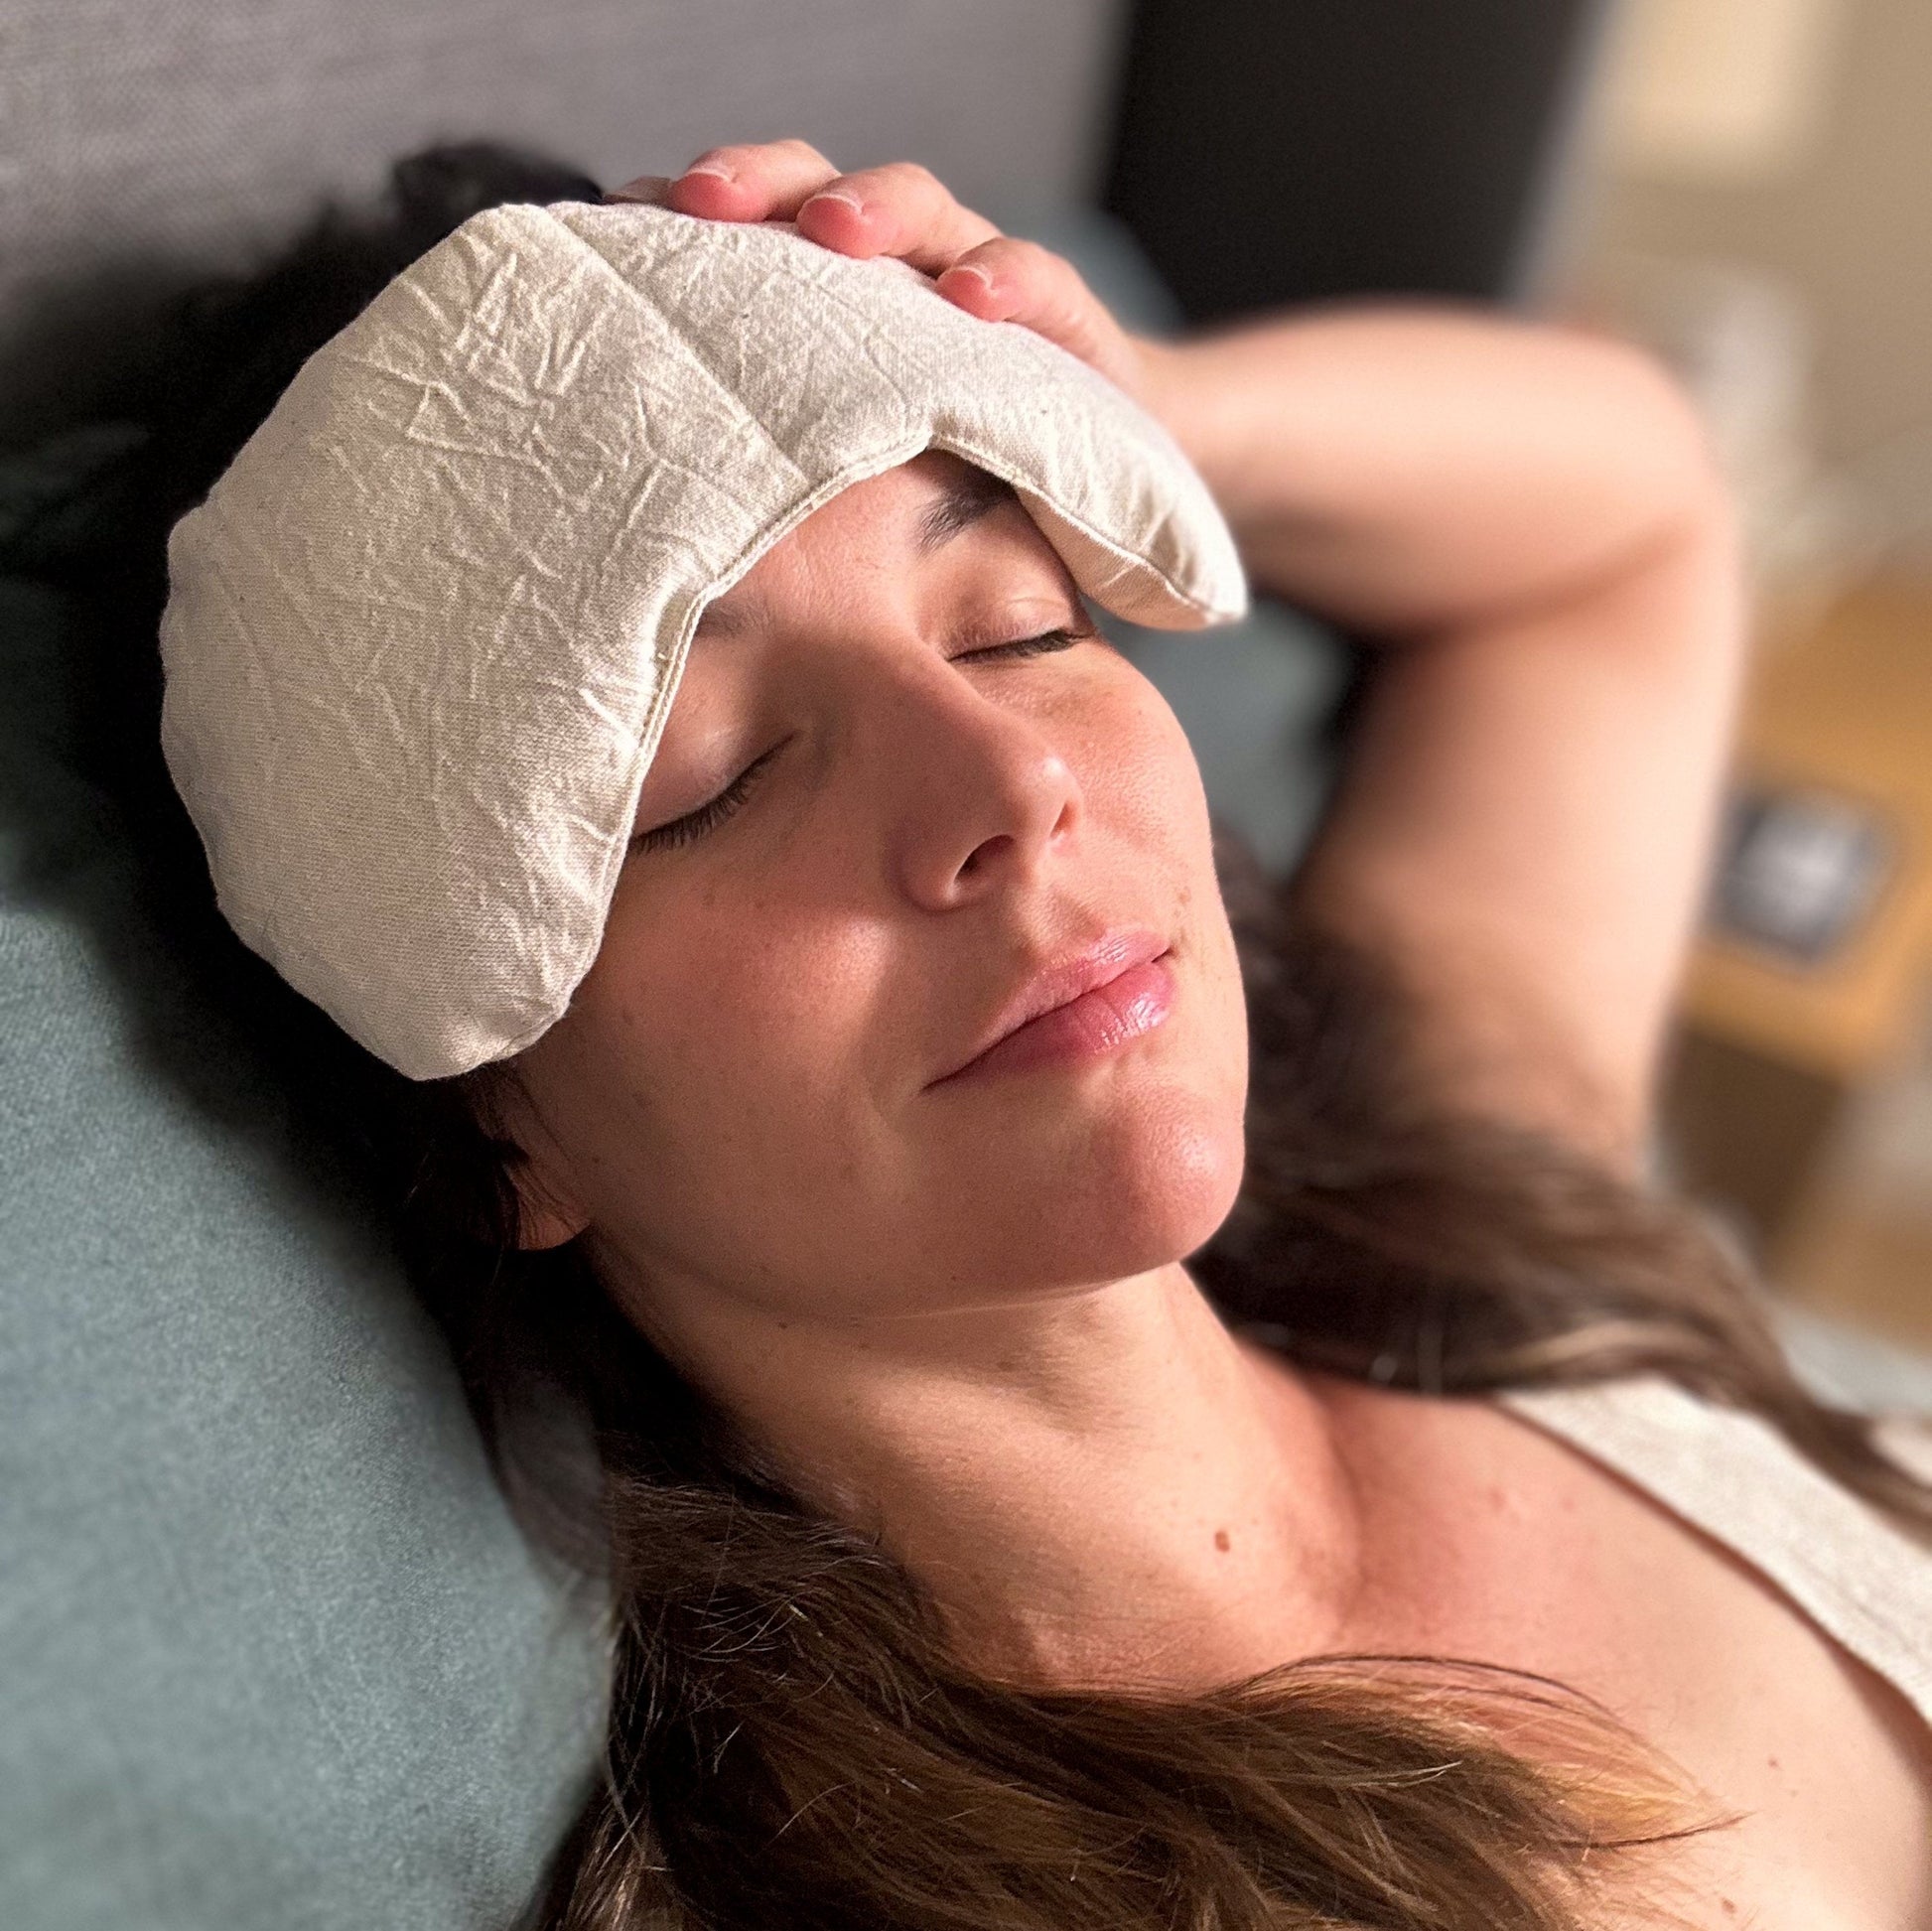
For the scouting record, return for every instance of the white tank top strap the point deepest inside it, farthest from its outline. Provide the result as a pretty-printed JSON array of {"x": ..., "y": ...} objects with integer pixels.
[{"x": 1864, "y": 1581}]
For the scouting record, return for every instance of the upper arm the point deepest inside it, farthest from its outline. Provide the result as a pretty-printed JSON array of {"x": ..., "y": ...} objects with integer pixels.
[
  {"x": 1532, "y": 517},
  {"x": 1524, "y": 828}
]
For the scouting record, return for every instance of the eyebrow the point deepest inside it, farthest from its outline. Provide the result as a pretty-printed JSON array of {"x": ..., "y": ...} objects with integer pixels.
[
  {"x": 726, "y": 621},
  {"x": 961, "y": 505},
  {"x": 964, "y": 501}
]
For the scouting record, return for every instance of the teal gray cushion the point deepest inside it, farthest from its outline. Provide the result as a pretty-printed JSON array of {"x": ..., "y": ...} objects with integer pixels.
[{"x": 272, "y": 1653}]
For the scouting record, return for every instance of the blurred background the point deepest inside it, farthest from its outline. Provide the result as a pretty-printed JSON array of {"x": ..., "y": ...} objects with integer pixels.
[
  {"x": 1744, "y": 185},
  {"x": 1752, "y": 194}
]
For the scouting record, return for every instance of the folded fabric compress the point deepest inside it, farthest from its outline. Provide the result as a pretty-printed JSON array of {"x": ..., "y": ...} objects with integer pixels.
[{"x": 424, "y": 633}]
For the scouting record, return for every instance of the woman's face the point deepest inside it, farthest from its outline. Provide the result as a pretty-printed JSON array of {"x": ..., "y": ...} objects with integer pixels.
[{"x": 756, "y": 1090}]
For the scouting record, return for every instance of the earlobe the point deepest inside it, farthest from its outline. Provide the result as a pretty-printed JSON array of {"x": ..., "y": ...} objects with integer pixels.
[
  {"x": 543, "y": 1219},
  {"x": 548, "y": 1214}
]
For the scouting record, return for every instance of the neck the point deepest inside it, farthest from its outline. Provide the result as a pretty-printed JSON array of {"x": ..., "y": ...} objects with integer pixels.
[{"x": 1102, "y": 1486}]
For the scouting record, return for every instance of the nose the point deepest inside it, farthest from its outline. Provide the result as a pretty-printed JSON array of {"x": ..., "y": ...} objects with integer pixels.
[{"x": 977, "y": 792}]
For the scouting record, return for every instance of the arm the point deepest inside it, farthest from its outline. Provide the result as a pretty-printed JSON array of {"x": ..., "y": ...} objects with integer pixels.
[{"x": 1530, "y": 519}]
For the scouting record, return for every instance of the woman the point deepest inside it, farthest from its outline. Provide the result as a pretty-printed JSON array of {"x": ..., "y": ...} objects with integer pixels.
[{"x": 973, "y": 1567}]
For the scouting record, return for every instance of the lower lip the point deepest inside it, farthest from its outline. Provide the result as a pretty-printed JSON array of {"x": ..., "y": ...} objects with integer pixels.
[{"x": 1125, "y": 1009}]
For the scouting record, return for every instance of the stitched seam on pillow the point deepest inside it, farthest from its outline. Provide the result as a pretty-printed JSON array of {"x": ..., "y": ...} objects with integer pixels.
[{"x": 961, "y": 446}]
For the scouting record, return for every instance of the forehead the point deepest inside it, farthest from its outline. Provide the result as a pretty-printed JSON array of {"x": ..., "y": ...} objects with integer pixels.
[{"x": 903, "y": 517}]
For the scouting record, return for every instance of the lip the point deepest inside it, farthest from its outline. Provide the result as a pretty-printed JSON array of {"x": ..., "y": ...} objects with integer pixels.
[{"x": 1087, "y": 1002}]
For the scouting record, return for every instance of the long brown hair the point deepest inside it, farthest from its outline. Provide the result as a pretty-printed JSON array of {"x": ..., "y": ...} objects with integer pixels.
[{"x": 791, "y": 1742}]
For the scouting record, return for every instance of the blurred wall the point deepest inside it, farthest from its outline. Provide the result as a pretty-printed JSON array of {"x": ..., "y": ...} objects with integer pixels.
[
  {"x": 1274, "y": 151},
  {"x": 142, "y": 139},
  {"x": 1834, "y": 197}
]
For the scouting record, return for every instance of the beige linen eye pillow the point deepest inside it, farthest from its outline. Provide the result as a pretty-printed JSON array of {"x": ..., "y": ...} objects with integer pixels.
[{"x": 423, "y": 635}]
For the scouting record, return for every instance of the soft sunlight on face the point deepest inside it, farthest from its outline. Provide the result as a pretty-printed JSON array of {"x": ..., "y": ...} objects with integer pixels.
[{"x": 747, "y": 1096}]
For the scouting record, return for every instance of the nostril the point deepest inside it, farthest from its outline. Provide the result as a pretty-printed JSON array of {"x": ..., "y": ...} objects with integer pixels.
[{"x": 985, "y": 848}]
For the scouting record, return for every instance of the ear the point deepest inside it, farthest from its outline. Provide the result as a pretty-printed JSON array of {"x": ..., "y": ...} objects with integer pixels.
[
  {"x": 547, "y": 1216},
  {"x": 548, "y": 1212}
]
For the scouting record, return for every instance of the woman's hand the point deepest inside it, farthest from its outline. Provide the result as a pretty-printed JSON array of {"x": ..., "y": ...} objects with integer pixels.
[{"x": 902, "y": 211}]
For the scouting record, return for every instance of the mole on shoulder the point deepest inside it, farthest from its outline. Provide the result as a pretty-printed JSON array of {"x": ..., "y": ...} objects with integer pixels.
[{"x": 1221, "y": 1540}]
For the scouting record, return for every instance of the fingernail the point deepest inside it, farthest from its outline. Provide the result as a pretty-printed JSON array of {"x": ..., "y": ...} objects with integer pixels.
[
  {"x": 842, "y": 197},
  {"x": 647, "y": 188},
  {"x": 717, "y": 169},
  {"x": 973, "y": 269}
]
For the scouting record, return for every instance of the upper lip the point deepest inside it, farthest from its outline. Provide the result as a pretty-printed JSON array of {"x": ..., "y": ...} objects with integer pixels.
[{"x": 1062, "y": 979}]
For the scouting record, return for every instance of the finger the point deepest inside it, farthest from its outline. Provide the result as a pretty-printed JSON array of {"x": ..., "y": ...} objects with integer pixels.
[
  {"x": 766, "y": 181},
  {"x": 1011, "y": 280},
  {"x": 900, "y": 210}
]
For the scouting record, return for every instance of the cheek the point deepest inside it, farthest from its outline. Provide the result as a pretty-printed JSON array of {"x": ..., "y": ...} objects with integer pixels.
[
  {"x": 1168, "y": 805},
  {"x": 1139, "y": 772},
  {"x": 725, "y": 1036}
]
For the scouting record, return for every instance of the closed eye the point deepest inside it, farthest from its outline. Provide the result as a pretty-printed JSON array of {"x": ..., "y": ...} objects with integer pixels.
[
  {"x": 714, "y": 811},
  {"x": 1065, "y": 638},
  {"x": 694, "y": 824}
]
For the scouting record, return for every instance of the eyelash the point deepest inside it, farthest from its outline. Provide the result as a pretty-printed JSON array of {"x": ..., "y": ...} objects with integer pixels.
[
  {"x": 708, "y": 816},
  {"x": 1061, "y": 638},
  {"x": 694, "y": 824}
]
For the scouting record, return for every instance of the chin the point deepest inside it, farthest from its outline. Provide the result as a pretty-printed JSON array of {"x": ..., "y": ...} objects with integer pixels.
[{"x": 1133, "y": 1197}]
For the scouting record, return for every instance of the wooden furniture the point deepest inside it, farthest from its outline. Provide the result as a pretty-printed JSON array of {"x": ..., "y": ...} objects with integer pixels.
[
  {"x": 1844, "y": 711},
  {"x": 1776, "y": 1045}
]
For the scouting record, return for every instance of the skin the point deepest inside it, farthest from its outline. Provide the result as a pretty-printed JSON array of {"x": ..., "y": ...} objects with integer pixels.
[
  {"x": 940, "y": 817},
  {"x": 959, "y": 1315}
]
